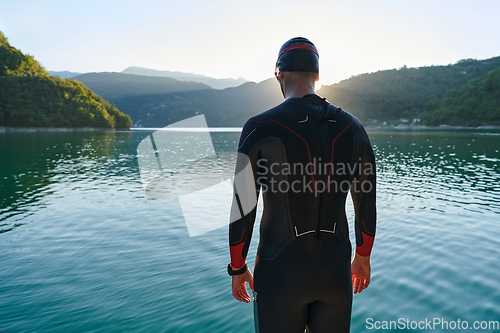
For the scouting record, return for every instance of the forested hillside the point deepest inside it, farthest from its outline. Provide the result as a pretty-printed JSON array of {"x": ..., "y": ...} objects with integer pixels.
[
  {"x": 404, "y": 92},
  {"x": 29, "y": 97},
  {"x": 475, "y": 103},
  {"x": 160, "y": 101}
]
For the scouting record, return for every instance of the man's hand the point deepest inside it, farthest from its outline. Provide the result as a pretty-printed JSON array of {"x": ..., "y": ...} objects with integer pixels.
[
  {"x": 239, "y": 288},
  {"x": 360, "y": 272}
]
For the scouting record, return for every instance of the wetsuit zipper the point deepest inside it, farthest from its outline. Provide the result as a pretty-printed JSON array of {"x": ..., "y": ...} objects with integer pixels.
[{"x": 323, "y": 133}]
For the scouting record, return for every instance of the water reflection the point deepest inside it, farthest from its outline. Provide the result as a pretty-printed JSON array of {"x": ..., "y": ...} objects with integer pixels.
[{"x": 33, "y": 162}]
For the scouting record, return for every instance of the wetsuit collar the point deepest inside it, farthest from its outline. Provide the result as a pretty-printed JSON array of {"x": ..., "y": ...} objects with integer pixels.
[{"x": 324, "y": 111}]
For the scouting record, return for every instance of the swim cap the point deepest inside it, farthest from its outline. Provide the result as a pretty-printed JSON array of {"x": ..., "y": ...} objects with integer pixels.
[{"x": 298, "y": 55}]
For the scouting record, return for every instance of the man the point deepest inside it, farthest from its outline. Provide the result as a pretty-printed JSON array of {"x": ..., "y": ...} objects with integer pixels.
[{"x": 305, "y": 155}]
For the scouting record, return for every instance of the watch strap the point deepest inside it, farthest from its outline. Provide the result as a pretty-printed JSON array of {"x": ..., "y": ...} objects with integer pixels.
[{"x": 240, "y": 271}]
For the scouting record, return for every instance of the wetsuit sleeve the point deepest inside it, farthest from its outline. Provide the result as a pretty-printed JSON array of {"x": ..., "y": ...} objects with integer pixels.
[
  {"x": 363, "y": 192},
  {"x": 245, "y": 194}
]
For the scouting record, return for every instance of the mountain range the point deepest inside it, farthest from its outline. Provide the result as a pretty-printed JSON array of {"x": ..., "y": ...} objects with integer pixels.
[
  {"x": 64, "y": 74},
  {"x": 180, "y": 76},
  {"x": 159, "y": 101},
  {"x": 464, "y": 93},
  {"x": 383, "y": 96}
]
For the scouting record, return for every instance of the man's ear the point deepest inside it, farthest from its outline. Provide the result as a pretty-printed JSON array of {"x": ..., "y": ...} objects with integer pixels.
[{"x": 317, "y": 77}]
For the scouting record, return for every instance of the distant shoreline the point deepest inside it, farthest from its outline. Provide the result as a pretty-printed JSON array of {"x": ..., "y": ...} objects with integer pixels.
[
  {"x": 58, "y": 129},
  {"x": 424, "y": 127},
  {"x": 6, "y": 129}
]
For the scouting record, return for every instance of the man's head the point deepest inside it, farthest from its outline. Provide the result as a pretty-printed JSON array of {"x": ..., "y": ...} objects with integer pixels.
[
  {"x": 297, "y": 66},
  {"x": 298, "y": 55}
]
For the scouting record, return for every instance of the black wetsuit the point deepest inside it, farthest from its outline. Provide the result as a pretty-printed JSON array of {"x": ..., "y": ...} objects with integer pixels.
[{"x": 305, "y": 155}]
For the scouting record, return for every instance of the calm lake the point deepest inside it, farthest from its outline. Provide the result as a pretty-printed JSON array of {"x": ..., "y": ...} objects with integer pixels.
[{"x": 83, "y": 249}]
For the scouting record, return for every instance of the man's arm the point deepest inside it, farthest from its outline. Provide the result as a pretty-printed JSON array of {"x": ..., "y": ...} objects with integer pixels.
[
  {"x": 363, "y": 195},
  {"x": 243, "y": 212}
]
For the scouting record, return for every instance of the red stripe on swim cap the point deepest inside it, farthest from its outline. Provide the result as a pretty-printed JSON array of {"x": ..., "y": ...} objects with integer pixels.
[{"x": 299, "y": 46}]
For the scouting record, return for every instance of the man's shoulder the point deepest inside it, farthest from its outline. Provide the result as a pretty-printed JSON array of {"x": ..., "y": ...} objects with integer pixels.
[
  {"x": 269, "y": 114},
  {"x": 347, "y": 116},
  {"x": 357, "y": 126}
]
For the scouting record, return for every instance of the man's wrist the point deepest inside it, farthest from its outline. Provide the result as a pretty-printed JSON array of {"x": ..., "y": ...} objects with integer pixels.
[
  {"x": 232, "y": 271},
  {"x": 361, "y": 257},
  {"x": 235, "y": 268}
]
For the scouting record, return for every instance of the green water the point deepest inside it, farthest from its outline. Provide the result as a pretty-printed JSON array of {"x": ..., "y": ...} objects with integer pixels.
[{"x": 82, "y": 249}]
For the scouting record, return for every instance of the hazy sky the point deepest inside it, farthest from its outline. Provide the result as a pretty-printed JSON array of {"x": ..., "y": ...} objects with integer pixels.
[{"x": 221, "y": 38}]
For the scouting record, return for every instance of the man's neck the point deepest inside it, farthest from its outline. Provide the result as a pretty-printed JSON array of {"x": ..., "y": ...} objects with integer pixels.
[{"x": 299, "y": 91}]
